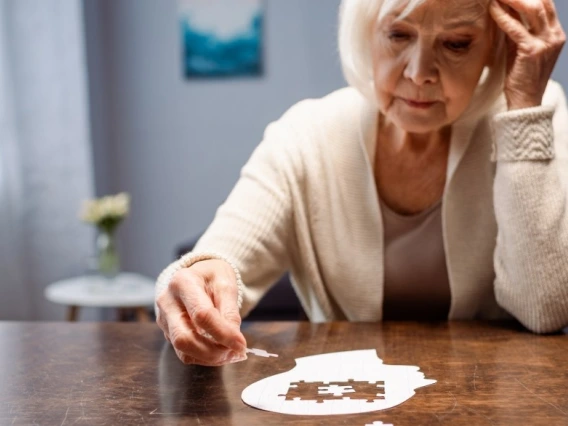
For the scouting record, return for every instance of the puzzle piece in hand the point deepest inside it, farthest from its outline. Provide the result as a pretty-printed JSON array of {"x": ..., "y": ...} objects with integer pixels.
[
  {"x": 324, "y": 391},
  {"x": 260, "y": 352}
]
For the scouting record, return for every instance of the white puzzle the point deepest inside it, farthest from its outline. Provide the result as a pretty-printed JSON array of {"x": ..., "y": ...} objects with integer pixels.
[{"x": 336, "y": 383}]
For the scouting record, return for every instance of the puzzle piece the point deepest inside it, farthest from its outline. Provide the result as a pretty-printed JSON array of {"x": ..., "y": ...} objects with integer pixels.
[
  {"x": 304, "y": 391},
  {"x": 378, "y": 423},
  {"x": 335, "y": 390},
  {"x": 325, "y": 391},
  {"x": 370, "y": 391},
  {"x": 260, "y": 352}
]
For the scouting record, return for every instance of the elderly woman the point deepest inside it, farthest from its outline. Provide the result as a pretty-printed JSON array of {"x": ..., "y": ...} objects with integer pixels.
[{"x": 435, "y": 186}]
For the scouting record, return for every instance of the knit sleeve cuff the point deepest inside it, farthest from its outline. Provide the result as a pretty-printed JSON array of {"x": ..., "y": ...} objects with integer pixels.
[
  {"x": 190, "y": 259},
  {"x": 524, "y": 134}
]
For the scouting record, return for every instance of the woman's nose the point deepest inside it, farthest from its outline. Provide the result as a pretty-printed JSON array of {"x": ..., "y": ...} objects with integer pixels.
[{"x": 421, "y": 67}]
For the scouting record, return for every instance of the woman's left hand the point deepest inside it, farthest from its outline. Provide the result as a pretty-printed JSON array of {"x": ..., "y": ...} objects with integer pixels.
[{"x": 533, "y": 47}]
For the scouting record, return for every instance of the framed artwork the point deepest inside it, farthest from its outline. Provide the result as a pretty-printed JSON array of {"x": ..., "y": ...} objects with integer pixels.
[{"x": 222, "y": 38}]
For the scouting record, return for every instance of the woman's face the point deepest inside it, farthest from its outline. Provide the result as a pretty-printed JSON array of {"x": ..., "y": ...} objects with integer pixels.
[{"x": 427, "y": 65}]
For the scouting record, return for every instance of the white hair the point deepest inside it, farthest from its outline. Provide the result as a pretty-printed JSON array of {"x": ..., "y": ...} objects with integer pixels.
[{"x": 356, "y": 22}]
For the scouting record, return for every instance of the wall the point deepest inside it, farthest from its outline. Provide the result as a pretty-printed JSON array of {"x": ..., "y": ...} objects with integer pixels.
[
  {"x": 15, "y": 303},
  {"x": 561, "y": 71},
  {"x": 177, "y": 146},
  {"x": 43, "y": 59}
]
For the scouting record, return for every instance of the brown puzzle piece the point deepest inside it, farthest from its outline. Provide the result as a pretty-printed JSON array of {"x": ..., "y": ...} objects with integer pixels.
[{"x": 309, "y": 391}]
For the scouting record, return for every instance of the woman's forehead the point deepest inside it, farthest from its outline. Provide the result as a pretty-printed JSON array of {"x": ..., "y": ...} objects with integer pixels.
[{"x": 448, "y": 11}]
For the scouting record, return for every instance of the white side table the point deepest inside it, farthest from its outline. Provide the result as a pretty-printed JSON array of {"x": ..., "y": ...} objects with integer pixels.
[{"x": 125, "y": 291}]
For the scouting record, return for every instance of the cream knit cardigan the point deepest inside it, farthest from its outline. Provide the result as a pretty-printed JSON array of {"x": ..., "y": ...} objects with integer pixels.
[{"x": 307, "y": 202}]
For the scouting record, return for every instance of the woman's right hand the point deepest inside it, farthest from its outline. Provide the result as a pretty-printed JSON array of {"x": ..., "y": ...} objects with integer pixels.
[{"x": 199, "y": 315}]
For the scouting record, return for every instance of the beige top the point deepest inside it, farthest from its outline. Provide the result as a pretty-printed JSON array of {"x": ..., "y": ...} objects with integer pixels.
[
  {"x": 307, "y": 202},
  {"x": 416, "y": 278}
]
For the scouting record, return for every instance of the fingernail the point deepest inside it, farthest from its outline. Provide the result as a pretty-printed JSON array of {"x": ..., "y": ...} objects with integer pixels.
[{"x": 233, "y": 357}]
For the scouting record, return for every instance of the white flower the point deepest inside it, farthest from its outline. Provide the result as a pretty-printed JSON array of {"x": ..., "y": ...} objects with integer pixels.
[{"x": 112, "y": 207}]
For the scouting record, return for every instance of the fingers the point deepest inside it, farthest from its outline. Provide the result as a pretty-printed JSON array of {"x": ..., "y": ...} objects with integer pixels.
[
  {"x": 540, "y": 16},
  {"x": 225, "y": 299},
  {"x": 509, "y": 25},
  {"x": 531, "y": 13},
  {"x": 191, "y": 347},
  {"x": 198, "y": 349},
  {"x": 199, "y": 315},
  {"x": 187, "y": 359},
  {"x": 550, "y": 10},
  {"x": 221, "y": 286},
  {"x": 209, "y": 361},
  {"x": 224, "y": 294},
  {"x": 196, "y": 293}
]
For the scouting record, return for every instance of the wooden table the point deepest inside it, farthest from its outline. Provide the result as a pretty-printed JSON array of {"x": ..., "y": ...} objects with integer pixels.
[{"x": 124, "y": 374}]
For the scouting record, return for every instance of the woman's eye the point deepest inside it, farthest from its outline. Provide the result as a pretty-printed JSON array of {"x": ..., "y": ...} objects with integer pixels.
[
  {"x": 398, "y": 36},
  {"x": 458, "y": 46}
]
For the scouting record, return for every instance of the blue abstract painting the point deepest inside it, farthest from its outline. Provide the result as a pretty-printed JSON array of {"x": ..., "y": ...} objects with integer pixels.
[{"x": 222, "y": 38}]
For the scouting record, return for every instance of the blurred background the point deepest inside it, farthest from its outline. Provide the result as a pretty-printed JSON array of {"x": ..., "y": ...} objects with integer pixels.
[{"x": 98, "y": 97}]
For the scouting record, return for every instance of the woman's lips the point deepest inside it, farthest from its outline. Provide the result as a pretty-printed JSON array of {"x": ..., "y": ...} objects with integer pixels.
[{"x": 417, "y": 104}]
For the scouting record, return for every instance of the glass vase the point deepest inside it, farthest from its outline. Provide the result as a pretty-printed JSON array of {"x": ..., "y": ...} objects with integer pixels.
[{"x": 108, "y": 261}]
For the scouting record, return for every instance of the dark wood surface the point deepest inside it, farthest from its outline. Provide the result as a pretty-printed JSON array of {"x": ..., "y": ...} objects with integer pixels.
[{"x": 125, "y": 374}]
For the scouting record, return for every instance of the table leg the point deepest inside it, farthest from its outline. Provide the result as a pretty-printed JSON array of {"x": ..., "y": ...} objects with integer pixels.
[
  {"x": 142, "y": 314},
  {"x": 72, "y": 313},
  {"x": 122, "y": 314}
]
